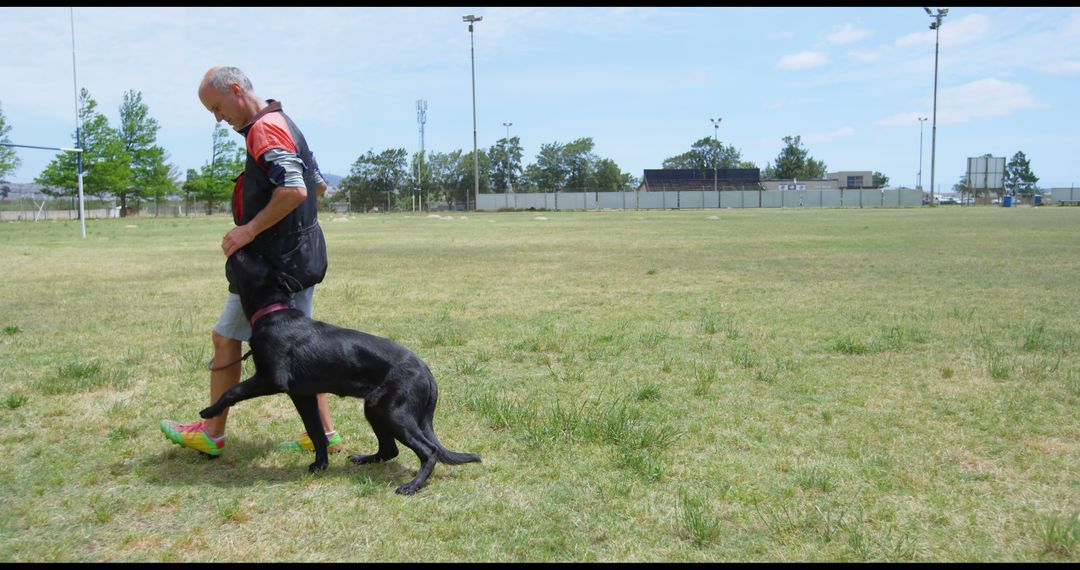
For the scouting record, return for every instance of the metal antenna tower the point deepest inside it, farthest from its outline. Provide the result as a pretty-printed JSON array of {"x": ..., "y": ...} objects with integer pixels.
[{"x": 421, "y": 118}]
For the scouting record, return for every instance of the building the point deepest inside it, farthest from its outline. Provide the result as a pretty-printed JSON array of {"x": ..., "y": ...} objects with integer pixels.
[
  {"x": 670, "y": 180},
  {"x": 800, "y": 185},
  {"x": 722, "y": 179},
  {"x": 852, "y": 179},
  {"x": 842, "y": 180}
]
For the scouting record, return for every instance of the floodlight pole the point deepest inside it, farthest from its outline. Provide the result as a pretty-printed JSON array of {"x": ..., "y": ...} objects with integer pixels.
[
  {"x": 922, "y": 120},
  {"x": 716, "y": 151},
  {"x": 472, "y": 60},
  {"x": 936, "y": 26},
  {"x": 421, "y": 118},
  {"x": 78, "y": 129},
  {"x": 508, "y": 125}
]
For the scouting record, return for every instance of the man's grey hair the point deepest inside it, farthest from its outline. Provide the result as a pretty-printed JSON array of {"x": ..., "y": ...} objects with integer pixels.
[{"x": 225, "y": 76}]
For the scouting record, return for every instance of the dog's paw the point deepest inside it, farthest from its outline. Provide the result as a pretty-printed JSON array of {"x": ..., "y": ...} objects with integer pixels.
[
  {"x": 365, "y": 459},
  {"x": 318, "y": 466},
  {"x": 207, "y": 413},
  {"x": 407, "y": 488}
]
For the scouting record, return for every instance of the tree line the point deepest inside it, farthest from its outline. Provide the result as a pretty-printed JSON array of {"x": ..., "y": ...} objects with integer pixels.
[
  {"x": 126, "y": 162},
  {"x": 394, "y": 178}
]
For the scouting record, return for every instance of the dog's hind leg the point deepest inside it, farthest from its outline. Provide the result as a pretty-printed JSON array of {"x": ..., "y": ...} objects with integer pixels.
[
  {"x": 309, "y": 412},
  {"x": 387, "y": 446},
  {"x": 414, "y": 438},
  {"x": 427, "y": 425}
]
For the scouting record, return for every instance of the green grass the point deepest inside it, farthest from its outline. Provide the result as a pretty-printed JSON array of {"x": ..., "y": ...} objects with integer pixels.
[{"x": 781, "y": 385}]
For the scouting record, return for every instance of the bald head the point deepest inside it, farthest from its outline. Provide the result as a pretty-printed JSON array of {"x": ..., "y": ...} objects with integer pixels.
[
  {"x": 227, "y": 93},
  {"x": 220, "y": 77}
]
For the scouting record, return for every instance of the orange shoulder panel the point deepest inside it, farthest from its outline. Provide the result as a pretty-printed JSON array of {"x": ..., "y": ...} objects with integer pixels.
[{"x": 269, "y": 132}]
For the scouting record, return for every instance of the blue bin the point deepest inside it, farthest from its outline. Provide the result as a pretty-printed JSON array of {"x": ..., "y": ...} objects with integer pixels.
[
  {"x": 1038, "y": 200},
  {"x": 1006, "y": 202}
]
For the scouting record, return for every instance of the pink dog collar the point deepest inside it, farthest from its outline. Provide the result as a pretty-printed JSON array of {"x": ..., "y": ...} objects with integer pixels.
[{"x": 267, "y": 310}]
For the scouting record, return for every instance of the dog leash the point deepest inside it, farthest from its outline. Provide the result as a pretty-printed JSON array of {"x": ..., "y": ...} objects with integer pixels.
[{"x": 210, "y": 364}]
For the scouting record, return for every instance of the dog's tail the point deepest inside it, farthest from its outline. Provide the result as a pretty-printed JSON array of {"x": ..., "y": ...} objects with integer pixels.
[
  {"x": 441, "y": 453},
  {"x": 455, "y": 457}
]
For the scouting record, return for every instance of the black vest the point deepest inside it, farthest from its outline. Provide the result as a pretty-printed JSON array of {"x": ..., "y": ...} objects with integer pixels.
[{"x": 296, "y": 242}]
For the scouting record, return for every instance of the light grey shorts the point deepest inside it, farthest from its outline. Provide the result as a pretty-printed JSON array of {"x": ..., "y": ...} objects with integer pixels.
[{"x": 234, "y": 324}]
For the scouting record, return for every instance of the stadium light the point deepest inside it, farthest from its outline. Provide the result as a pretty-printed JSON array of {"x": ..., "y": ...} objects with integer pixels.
[
  {"x": 472, "y": 59},
  {"x": 78, "y": 129},
  {"x": 918, "y": 184},
  {"x": 716, "y": 151},
  {"x": 936, "y": 26},
  {"x": 508, "y": 125}
]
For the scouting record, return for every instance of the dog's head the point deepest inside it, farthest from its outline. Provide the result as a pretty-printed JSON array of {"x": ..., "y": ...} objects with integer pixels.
[{"x": 259, "y": 281}]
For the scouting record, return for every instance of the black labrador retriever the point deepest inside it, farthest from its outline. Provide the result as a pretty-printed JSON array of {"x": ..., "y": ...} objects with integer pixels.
[{"x": 304, "y": 357}]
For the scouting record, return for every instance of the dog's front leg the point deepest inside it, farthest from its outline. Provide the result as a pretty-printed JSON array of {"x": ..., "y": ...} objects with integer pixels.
[
  {"x": 309, "y": 412},
  {"x": 251, "y": 388}
]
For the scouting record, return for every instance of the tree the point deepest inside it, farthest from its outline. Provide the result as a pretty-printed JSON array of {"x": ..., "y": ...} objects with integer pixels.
[
  {"x": 1019, "y": 179},
  {"x": 150, "y": 175},
  {"x": 194, "y": 185},
  {"x": 442, "y": 170},
  {"x": 962, "y": 187},
  {"x": 608, "y": 177},
  {"x": 215, "y": 180},
  {"x": 549, "y": 175},
  {"x": 704, "y": 153},
  {"x": 530, "y": 179},
  {"x": 376, "y": 180},
  {"x": 562, "y": 167},
  {"x": 880, "y": 180},
  {"x": 795, "y": 162},
  {"x": 463, "y": 177},
  {"x": 105, "y": 163},
  {"x": 505, "y": 157},
  {"x": 579, "y": 162},
  {"x": 9, "y": 160}
]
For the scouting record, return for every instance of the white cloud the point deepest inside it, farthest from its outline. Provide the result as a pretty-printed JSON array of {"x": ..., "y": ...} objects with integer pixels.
[
  {"x": 902, "y": 119},
  {"x": 971, "y": 101},
  {"x": 830, "y": 136},
  {"x": 802, "y": 60},
  {"x": 864, "y": 56},
  {"x": 846, "y": 34},
  {"x": 1059, "y": 66}
]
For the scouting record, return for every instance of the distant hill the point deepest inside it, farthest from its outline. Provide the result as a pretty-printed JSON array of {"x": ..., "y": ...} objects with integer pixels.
[{"x": 332, "y": 179}]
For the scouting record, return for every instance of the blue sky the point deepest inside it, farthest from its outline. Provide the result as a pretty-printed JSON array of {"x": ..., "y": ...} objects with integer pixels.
[{"x": 642, "y": 82}]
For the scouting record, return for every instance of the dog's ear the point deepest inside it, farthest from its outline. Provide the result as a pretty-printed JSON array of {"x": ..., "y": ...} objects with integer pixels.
[{"x": 291, "y": 283}]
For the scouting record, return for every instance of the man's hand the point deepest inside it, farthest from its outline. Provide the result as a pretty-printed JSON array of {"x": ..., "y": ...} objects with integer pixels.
[
  {"x": 284, "y": 200},
  {"x": 237, "y": 238}
]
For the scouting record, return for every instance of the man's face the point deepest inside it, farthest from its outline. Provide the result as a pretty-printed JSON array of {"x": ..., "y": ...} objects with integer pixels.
[{"x": 226, "y": 107}]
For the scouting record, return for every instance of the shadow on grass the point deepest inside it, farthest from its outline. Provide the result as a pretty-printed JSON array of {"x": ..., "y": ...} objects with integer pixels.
[{"x": 241, "y": 465}]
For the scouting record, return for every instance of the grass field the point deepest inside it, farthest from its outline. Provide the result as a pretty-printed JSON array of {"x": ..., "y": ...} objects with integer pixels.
[{"x": 732, "y": 385}]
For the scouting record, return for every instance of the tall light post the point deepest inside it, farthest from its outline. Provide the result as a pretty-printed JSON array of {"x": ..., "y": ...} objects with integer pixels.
[
  {"x": 78, "y": 130},
  {"x": 508, "y": 125},
  {"x": 716, "y": 149},
  {"x": 472, "y": 60},
  {"x": 918, "y": 183},
  {"x": 421, "y": 119},
  {"x": 936, "y": 26}
]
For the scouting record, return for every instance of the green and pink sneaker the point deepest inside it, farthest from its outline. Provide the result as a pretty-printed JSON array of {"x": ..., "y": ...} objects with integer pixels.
[
  {"x": 303, "y": 443},
  {"x": 193, "y": 436}
]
